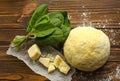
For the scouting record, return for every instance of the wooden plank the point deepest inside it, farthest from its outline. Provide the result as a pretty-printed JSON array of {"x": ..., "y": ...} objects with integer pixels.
[
  {"x": 96, "y": 20},
  {"x": 7, "y": 35},
  {"x": 13, "y": 3},
  {"x": 114, "y": 55},
  {"x": 18, "y": 67},
  {"x": 13, "y": 26},
  {"x": 8, "y": 19},
  {"x": 21, "y": 68},
  {"x": 101, "y": 14},
  {"x": 105, "y": 73},
  {"x": 21, "y": 77}
]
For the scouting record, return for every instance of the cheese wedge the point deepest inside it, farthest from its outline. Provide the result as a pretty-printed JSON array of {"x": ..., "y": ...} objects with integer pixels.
[
  {"x": 34, "y": 52},
  {"x": 51, "y": 67},
  {"x": 63, "y": 67},
  {"x": 44, "y": 61},
  {"x": 61, "y": 64},
  {"x": 47, "y": 63},
  {"x": 57, "y": 61}
]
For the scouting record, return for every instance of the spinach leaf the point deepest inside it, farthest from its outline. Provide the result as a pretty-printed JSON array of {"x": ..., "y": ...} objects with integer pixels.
[
  {"x": 53, "y": 39},
  {"x": 56, "y": 22},
  {"x": 39, "y": 12},
  {"x": 46, "y": 28},
  {"x": 57, "y": 15},
  {"x": 18, "y": 40},
  {"x": 65, "y": 30},
  {"x": 44, "y": 19},
  {"x": 43, "y": 30},
  {"x": 66, "y": 26},
  {"x": 60, "y": 19}
]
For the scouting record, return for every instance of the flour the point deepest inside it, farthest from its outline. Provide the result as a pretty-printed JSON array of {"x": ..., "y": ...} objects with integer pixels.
[
  {"x": 115, "y": 76},
  {"x": 117, "y": 72}
]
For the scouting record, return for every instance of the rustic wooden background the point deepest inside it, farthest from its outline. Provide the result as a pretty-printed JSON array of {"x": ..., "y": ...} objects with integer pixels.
[{"x": 103, "y": 14}]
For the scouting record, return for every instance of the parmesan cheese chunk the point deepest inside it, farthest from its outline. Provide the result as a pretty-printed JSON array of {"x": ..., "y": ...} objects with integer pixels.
[
  {"x": 34, "y": 52},
  {"x": 51, "y": 68},
  {"x": 44, "y": 61},
  {"x": 63, "y": 67},
  {"x": 57, "y": 61},
  {"x": 61, "y": 64},
  {"x": 47, "y": 63}
]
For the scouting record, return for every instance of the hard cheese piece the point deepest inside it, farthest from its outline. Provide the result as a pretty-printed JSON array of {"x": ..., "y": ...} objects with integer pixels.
[
  {"x": 47, "y": 63},
  {"x": 57, "y": 61},
  {"x": 34, "y": 52},
  {"x": 61, "y": 64},
  {"x": 51, "y": 68},
  {"x": 44, "y": 61},
  {"x": 63, "y": 67}
]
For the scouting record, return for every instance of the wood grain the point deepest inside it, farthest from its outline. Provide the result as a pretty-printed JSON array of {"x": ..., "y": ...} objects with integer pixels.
[{"x": 101, "y": 14}]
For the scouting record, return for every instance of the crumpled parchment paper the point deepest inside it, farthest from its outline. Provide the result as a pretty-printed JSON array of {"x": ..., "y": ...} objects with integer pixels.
[{"x": 39, "y": 68}]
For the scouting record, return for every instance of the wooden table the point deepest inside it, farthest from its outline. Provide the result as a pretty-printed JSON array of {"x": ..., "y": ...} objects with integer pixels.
[{"x": 103, "y": 14}]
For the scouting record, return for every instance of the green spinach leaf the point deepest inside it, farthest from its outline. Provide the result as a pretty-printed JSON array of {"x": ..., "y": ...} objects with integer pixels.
[
  {"x": 18, "y": 40},
  {"x": 39, "y": 12},
  {"x": 53, "y": 39},
  {"x": 43, "y": 30},
  {"x": 44, "y": 19},
  {"x": 46, "y": 28},
  {"x": 57, "y": 15},
  {"x": 56, "y": 22}
]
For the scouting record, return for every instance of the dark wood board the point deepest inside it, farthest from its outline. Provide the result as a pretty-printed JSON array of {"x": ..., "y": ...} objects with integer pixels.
[{"x": 14, "y": 17}]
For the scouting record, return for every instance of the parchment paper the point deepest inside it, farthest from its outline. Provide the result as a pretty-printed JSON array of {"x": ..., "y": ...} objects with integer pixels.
[{"x": 39, "y": 68}]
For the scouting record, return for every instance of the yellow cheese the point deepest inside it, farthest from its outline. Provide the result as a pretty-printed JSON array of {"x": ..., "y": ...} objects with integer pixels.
[
  {"x": 47, "y": 63},
  {"x": 57, "y": 61},
  {"x": 44, "y": 61},
  {"x": 51, "y": 68},
  {"x": 34, "y": 52},
  {"x": 61, "y": 64},
  {"x": 64, "y": 67}
]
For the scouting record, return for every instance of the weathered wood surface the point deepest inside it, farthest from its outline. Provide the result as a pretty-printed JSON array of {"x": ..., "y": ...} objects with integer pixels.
[{"x": 14, "y": 16}]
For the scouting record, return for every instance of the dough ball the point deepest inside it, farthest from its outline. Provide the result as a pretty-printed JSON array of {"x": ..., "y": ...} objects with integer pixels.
[{"x": 87, "y": 48}]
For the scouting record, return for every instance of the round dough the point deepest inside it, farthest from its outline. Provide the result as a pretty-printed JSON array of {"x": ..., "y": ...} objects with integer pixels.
[{"x": 87, "y": 48}]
